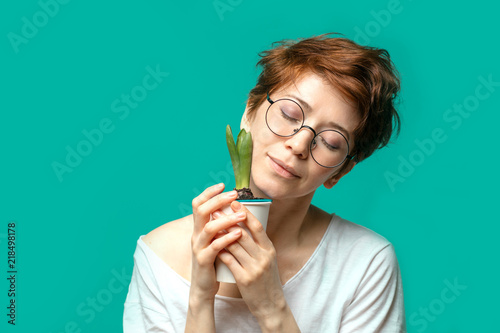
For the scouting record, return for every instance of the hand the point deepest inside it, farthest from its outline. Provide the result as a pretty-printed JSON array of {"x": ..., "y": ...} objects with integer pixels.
[
  {"x": 252, "y": 260},
  {"x": 208, "y": 239}
]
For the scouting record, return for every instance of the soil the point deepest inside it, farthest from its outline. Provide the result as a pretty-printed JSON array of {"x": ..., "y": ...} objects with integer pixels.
[{"x": 245, "y": 194}]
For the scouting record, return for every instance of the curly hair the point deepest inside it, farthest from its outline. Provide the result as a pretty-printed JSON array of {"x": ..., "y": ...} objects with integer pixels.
[{"x": 365, "y": 75}]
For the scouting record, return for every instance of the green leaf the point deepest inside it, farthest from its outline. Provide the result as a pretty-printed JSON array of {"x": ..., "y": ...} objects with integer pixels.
[
  {"x": 241, "y": 156},
  {"x": 233, "y": 152},
  {"x": 245, "y": 155}
]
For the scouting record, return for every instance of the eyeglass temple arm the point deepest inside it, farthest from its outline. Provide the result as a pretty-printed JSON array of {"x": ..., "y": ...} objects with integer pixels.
[
  {"x": 269, "y": 99},
  {"x": 355, "y": 157}
]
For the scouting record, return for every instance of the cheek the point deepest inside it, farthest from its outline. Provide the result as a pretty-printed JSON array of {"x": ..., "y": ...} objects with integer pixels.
[
  {"x": 262, "y": 136},
  {"x": 322, "y": 174}
]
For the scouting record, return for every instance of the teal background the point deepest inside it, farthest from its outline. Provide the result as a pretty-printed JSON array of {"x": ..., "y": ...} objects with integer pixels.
[{"x": 74, "y": 236}]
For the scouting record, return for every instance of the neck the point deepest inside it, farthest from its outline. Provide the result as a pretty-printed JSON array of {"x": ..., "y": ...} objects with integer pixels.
[{"x": 288, "y": 219}]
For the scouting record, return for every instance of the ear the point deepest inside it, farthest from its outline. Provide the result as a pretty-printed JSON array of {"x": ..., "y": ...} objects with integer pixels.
[
  {"x": 333, "y": 180},
  {"x": 245, "y": 121}
]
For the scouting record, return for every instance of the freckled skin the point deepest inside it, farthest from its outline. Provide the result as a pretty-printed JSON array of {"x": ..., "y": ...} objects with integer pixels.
[{"x": 327, "y": 104}]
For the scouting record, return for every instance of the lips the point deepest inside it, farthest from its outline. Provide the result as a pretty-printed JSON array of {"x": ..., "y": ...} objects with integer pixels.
[{"x": 281, "y": 168}]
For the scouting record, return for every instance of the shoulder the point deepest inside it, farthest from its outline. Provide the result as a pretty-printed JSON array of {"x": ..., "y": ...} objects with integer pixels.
[
  {"x": 346, "y": 231},
  {"x": 372, "y": 277},
  {"x": 355, "y": 244},
  {"x": 171, "y": 230},
  {"x": 357, "y": 235},
  {"x": 172, "y": 243},
  {"x": 364, "y": 255}
]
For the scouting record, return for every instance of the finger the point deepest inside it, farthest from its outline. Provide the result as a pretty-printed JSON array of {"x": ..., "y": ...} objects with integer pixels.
[
  {"x": 253, "y": 224},
  {"x": 245, "y": 250},
  {"x": 212, "y": 228},
  {"x": 222, "y": 233},
  {"x": 232, "y": 263},
  {"x": 209, "y": 254},
  {"x": 217, "y": 202},
  {"x": 207, "y": 194},
  {"x": 217, "y": 214}
]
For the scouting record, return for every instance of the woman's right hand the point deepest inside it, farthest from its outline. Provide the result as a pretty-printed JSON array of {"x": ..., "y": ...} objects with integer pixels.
[{"x": 209, "y": 239}]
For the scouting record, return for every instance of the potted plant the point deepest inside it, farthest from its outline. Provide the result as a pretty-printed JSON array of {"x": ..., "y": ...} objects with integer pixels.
[{"x": 241, "y": 158}]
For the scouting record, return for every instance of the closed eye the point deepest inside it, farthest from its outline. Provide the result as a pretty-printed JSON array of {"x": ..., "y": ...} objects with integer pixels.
[
  {"x": 329, "y": 146},
  {"x": 287, "y": 117}
]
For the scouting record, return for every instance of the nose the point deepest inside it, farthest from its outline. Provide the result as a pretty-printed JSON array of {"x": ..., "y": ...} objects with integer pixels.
[{"x": 299, "y": 142}]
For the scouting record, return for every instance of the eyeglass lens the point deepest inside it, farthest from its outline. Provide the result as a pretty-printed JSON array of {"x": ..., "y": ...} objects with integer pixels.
[{"x": 285, "y": 118}]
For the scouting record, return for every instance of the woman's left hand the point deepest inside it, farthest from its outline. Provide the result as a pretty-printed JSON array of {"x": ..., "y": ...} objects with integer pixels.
[{"x": 252, "y": 260}]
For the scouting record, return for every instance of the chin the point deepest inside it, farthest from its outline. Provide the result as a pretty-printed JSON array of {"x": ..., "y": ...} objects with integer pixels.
[
  {"x": 270, "y": 189},
  {"x": 260, "y": 191}
]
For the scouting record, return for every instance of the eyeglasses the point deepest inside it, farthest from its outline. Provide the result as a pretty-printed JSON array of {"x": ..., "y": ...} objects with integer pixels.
[{"x": 328, "y": 148}]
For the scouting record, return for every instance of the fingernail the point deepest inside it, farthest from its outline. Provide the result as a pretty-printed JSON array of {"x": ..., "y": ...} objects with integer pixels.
[
  {"x": 236, "y": 205},
  {"x": 219, "y": 186},
  {"x": 232, "y": 194},
  {"x": 241, "y": 214},
  {"x": 216, "y": 215}
]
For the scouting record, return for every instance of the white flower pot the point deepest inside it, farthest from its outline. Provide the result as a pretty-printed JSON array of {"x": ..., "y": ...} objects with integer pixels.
[{"x": 260, "y": 209}]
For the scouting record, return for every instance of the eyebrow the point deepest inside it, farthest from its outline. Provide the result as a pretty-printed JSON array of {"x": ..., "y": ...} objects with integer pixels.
[{"x": 330, "y": 124}]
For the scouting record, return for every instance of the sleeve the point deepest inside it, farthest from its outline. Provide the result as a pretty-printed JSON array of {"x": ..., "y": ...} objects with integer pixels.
[
  {"x": 144, "y": 311},
  {"x": 377, "y": 305}
]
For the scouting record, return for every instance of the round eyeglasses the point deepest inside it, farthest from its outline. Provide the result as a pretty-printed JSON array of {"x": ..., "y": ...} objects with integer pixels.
[{"x": 285, "y": 117}]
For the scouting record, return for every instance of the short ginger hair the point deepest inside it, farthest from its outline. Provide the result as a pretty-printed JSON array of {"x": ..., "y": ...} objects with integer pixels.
[{"x": 365, "y": 76}]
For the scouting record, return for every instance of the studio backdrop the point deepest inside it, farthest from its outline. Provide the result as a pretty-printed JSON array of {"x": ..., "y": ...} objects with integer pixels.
[{"x": 113, "y": 118}]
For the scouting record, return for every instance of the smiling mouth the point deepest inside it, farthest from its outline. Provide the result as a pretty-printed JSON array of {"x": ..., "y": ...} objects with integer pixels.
[{"x": 281, "y": 170}]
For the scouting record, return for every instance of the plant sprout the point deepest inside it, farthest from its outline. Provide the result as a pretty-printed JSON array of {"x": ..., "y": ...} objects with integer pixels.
[{"x": 241, "y": 158}]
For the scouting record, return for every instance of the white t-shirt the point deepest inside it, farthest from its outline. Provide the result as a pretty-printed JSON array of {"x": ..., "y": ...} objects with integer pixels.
[{"x": 351, "y": 283}]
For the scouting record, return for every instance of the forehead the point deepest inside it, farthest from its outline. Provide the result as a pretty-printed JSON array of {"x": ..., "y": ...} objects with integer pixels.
[{"x": 322, "y": 103}]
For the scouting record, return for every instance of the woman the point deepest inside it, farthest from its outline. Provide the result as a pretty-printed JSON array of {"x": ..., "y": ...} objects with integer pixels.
[{"x": 320, "y": 105}]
